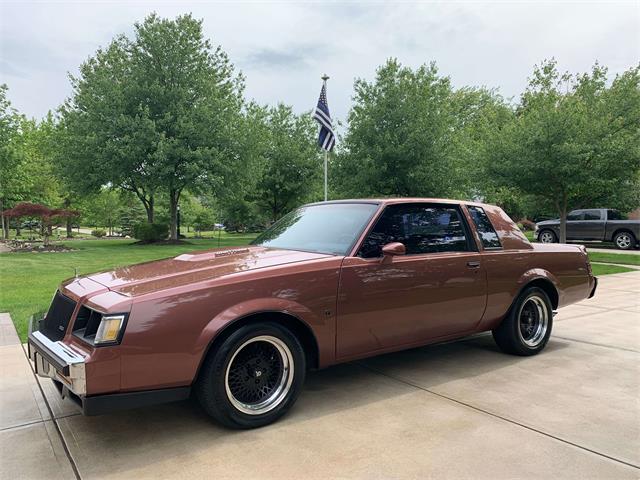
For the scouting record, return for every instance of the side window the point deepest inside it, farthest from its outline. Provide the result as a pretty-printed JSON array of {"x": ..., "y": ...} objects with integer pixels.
[
  {"x": 487, "y": 233},
  {"x": 421, "y": 228},
  {"x": 592, "y": 215},
  {"x": 575, "y": 215},
  {"x": 615, "y": 215}
]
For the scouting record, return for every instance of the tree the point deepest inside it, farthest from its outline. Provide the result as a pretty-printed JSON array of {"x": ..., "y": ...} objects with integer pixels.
[
  {"x": 401, "y": 132},
  {"x": 12, "y": 178},
  {"x": 48, "y": 216},
  {"x": 291, "y": 161},
  {"x": 574, "y": 141},
  {"x": 156, "y": 112}
]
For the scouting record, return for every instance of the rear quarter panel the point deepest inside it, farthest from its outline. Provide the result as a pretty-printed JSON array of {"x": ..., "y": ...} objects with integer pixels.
[{"x": 519, "y": 262}]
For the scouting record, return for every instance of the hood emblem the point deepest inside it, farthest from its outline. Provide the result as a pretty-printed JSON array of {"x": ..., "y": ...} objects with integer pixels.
[{"x": 226, "y": 253}]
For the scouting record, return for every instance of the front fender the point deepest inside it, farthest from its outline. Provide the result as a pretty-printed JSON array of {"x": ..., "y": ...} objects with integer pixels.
[{"x": 252, "y": 307}]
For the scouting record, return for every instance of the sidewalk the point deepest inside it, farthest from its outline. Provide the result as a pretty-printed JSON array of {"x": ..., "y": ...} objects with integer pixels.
[{"x": 455, "y": 410}]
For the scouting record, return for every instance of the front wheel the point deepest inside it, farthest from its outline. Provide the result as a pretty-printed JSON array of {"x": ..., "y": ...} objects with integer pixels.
[
  {"x": 253, "y": 377},
  {"x": 527, "y": 327},
  {"x": 547, "y": 236},
  {"x": 624, "y": 240}
]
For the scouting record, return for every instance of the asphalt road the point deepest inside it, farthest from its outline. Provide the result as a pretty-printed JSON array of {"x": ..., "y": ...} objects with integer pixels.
[{"x": 458, "y": 410}]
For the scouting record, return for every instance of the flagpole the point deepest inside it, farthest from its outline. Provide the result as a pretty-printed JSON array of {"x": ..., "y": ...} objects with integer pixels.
[{"x": 325, "y": 77}]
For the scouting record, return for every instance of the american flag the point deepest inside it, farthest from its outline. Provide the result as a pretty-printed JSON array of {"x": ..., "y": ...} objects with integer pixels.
[{"x": 326, "y": 138}]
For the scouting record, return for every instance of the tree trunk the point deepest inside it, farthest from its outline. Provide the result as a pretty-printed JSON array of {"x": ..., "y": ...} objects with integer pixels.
[
  {"x": 67, "y": 205},
  {"x": 563, "y": 220},
  {"x": 5, "y": 230},
  {"x": 174, "y": 196},
  {"x": 148, "y": 206}
]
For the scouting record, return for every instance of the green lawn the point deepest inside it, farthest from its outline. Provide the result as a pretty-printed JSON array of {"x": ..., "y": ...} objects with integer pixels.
[
  {"x": 620, "y": 258},
  {"x": 599, "y": 269},
  {"x": 28, "y": 280}
]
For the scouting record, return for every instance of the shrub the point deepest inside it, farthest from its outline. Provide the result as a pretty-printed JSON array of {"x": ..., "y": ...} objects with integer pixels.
[
  {"x": 527, "y": 225},
  {"x": 150, "y": 232},
  {"x": 98, "y": 232}
]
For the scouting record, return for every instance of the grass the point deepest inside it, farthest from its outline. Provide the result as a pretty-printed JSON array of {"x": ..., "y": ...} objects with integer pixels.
[
  {"x": 600, "y": 269},
  {"x": 28, "y": 280},
  {"x": 619, "y": 258}
]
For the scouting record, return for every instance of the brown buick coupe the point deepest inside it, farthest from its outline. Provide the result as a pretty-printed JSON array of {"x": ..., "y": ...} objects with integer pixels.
[{"x": 328, "y": 283}]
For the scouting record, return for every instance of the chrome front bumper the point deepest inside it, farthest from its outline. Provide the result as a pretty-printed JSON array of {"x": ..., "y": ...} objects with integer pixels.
[{"x": 58, "y": 361}]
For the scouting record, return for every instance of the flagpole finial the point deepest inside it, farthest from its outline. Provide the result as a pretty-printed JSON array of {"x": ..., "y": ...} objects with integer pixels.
[{"x": 325, "y": 77}]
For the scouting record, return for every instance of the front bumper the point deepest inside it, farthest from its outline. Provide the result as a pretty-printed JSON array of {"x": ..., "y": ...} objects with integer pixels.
[
  {"x": 58, "y": 361},
  {"x": 66, "y": 367}
]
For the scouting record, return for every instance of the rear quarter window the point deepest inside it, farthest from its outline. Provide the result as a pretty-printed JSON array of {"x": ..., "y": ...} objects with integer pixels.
[{"x": 488, "y": 234}]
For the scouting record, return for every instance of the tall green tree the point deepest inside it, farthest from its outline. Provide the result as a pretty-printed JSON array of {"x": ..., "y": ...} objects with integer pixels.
[
  {"x": 404, "y": 132},
  {"x": 574, "y": 141},
  {"x": 291, "y": 162},
  {"x": 158, "y": 112},
  {"x": 12, "y": 178}
]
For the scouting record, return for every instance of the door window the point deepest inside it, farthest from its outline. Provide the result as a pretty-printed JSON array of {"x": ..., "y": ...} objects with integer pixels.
[
  {"x": 575, "y": 215},
  {"x": 421, "y": 228},
  {"x": 487, "y": 233},
  {"x": 592, "y": 215}
]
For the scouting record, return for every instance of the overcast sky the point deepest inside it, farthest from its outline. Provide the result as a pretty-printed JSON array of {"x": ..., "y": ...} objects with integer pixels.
[{"x": 284, "y": 47}]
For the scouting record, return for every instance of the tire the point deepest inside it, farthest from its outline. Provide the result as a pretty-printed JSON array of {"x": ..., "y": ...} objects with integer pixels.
[
  {"x": 253, "y": 377},
  {"x": 624, "y": 240},
  {"x": 526, "y": 328},
  {"x": 547, "y": 236}
]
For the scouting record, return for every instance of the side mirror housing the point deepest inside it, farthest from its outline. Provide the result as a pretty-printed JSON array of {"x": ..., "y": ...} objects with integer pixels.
[{"x": 394, "y": 248}]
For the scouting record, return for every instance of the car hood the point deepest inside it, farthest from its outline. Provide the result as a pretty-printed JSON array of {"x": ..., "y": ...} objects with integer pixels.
[
  {"x": 196, "y": 266},
  {"x": 548, "y": 222}
]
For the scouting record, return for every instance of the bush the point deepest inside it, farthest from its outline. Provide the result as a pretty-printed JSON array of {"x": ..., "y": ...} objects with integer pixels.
[
  {"x": 98, "y": 232},
  {"x": 150, "y": 232},
  {"x": 527, "y": 225}
]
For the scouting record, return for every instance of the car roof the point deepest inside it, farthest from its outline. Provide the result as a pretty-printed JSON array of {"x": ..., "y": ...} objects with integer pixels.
[{"x": 390, "y": 201}]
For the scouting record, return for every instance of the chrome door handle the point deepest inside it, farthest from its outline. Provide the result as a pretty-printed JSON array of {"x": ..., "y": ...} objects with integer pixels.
[{"x": 473, "y": 264}]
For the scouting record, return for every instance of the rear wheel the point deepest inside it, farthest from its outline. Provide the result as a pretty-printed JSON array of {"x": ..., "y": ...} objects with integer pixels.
[
  {"x": 527, "y": 327},
  {"x": 253, "y": 377},
  {"x": 547, "y": 236},
  {"x": 624, "y": 240}
]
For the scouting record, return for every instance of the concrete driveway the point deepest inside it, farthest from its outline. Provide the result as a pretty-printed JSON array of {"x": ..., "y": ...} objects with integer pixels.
[{"x": 458, "y": 410}]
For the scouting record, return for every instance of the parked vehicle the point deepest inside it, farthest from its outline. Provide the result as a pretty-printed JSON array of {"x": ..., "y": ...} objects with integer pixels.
[
  {"x": 328, "y": 283},
  {"x": 594, "y": 224}
]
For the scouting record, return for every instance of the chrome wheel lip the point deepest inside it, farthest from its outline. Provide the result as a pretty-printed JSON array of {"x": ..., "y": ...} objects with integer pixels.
[
  {"x": 541, "y": 322},
  {"x": 623, "y": 240},
  {"x": 546, "y": 237},
  {"x": 284, "y": 385}
]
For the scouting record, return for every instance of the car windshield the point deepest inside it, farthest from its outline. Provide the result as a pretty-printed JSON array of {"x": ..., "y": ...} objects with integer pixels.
[{"x": 325, "y": 228}]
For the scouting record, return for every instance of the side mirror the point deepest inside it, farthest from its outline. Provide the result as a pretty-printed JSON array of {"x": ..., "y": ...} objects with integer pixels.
[{"x": 394, "y": 248}]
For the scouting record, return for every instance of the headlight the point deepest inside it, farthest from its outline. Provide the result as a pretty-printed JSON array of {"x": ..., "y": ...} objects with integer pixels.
[{"x": 109, "y": 329}]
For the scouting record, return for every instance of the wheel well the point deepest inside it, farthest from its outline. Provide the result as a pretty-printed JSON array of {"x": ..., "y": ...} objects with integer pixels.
[
  {"x": 548, "y": 288},
  {"x": 620, "y": 230},
  {"x": 296, "y": 326}
]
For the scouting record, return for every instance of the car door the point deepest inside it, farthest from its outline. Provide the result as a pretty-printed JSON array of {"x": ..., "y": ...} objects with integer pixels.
[
  {"x": 436, "y": 290},
  {"x": 575, "y": 225},
  {"x": 593, "y": 224}
]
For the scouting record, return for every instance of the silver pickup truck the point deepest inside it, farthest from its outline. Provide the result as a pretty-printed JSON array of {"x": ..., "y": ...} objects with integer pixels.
[{"x": 594, "y": 224}]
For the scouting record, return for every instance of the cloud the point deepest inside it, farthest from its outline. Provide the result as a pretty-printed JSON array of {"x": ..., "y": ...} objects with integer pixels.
[{"x": 284, "y": 47}]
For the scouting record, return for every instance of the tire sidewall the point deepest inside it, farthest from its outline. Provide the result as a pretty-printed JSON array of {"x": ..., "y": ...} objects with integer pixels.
[
  {"x": 514, "y": 321},
  {"x": 632, "y": 239},
  {"x": 554, "y": 237},
  {"x": 216, "y": 401}
]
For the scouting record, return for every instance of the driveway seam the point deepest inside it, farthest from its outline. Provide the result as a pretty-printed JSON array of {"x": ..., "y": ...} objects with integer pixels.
[
  {"x": 495, "y": 415},
  {"x": 54, "y": 420},
  {"x": 596, "y": 344},
  {"x": 28, "y": 424}
]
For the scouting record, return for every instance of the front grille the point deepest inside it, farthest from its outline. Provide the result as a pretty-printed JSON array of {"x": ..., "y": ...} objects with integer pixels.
[{"x": 57, "y": 319}]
